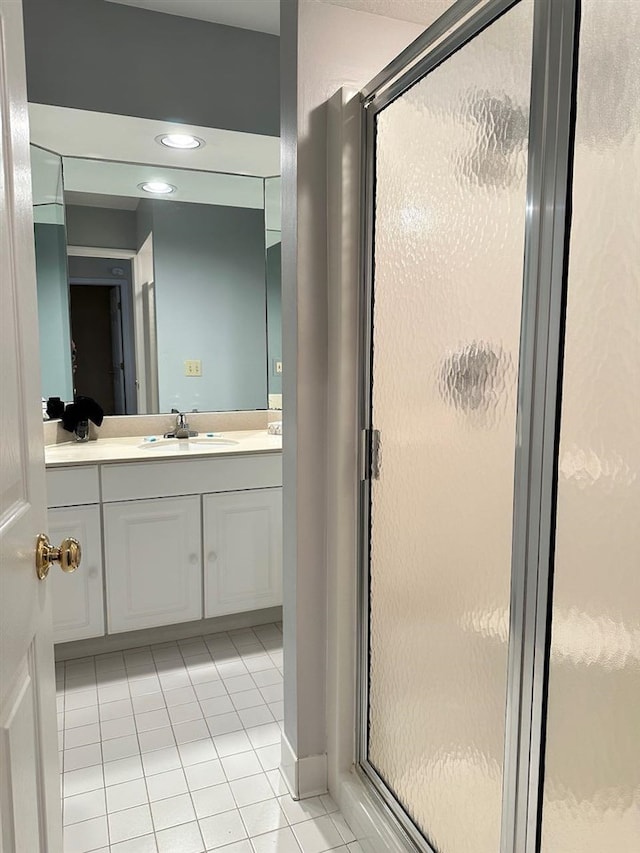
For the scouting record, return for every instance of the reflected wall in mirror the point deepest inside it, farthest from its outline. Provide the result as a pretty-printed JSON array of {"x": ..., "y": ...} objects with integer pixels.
[
  {"x": 163, "y": 281},
  {"x": 51, "y": 273},
  {"x": 272, "y": 209}
]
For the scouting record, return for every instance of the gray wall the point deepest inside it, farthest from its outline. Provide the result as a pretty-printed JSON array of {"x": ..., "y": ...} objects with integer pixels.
[
  {"x": 144, "y": 221},
  {"x": 106, "y": 57},
  {"x": 53, "y": 311},
  {"x": 101, "y": 227},
  {"x": 99, "y": 268},
  {"x": 323, "y": 46},
  {"x": 210, "y": 305}
]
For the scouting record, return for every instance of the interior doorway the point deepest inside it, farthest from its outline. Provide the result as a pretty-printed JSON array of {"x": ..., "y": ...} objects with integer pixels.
[
  {"x": 102, "y": 331},
  {"x": 96, "y": 330}
]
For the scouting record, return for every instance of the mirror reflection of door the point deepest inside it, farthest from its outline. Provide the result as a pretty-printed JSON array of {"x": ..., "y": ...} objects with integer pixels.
[
  {"x": 96, "y": 329},
  {"x": 117, "y": 348}
]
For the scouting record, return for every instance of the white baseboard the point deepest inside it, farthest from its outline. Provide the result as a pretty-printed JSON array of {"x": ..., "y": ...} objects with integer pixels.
[
  {"x": 166, "y": 634},
  {"x": 305, "y": 777},
  {"x": 365, "y": 815}
]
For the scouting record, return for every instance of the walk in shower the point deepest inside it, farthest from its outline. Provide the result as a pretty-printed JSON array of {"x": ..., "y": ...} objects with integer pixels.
[{"x": 500, "y": 505}]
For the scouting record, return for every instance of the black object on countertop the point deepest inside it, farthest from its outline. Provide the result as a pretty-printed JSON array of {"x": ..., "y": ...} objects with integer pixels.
[
  {"x": 82, "y": 409},
  {"x": 55, "y": 407}
]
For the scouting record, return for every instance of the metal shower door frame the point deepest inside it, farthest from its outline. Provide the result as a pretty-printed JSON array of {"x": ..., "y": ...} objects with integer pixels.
[{"x": 547, "y": 226}]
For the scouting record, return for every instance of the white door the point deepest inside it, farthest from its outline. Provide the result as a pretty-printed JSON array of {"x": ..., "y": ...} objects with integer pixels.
[
  {"x": 153, "y": 563},
  {"x": 30, "y": 818},
  {"x": 78, "y": 609},
  {"x": 144, "y": 311},
  {"x": 243, "y": 547},
  {"x": 117, "y": 349}
]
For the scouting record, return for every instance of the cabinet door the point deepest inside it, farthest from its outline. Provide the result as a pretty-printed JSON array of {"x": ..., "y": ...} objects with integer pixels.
[
  {"x": 153, "y": 563},
  {"x": 243, "y": 547},
  {"x": 78, "y": 606}
]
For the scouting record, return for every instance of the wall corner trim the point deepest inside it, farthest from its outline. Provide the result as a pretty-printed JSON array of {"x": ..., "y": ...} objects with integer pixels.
[{"x": 304, "y": 777}]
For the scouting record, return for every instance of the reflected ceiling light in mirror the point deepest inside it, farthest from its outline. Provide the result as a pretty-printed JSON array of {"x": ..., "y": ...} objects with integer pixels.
[
  {"x": 157, "y": 187},
  {"x": 181, "y": 141}
]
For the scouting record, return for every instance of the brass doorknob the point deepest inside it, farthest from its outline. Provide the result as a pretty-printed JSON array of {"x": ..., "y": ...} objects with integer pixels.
[{"x": 68, "y": 555}]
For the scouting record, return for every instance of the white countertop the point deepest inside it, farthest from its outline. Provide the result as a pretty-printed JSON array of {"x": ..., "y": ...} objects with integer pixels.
[{"x": 137, "y": 449}]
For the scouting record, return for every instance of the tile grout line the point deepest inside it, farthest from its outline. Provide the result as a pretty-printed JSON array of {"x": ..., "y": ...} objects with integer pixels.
[
  {"x": 222, "y": 681},
  {"x": 155, "y": 662},
  {"x": 144, "y": 775}
]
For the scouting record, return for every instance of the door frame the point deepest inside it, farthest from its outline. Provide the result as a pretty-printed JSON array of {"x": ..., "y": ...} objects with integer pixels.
[
  {"x": 552, "y": 107},
  {"x": 146, "y": 373},
  {"x": 126, "y": 330}
]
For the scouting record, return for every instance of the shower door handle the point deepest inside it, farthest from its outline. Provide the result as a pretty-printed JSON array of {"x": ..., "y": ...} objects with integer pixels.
[
  {"x": 375, "y": 454},
  {"x": 370, "y": 454}
]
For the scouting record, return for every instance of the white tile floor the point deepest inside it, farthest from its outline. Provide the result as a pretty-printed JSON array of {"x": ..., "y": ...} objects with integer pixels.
[{"x": 174, "y": 748}]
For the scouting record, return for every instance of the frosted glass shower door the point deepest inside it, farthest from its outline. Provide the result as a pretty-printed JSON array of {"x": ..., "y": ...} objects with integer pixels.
[
  {"x": 448, "y": 246},
  {"x": 591, "y": 801}
]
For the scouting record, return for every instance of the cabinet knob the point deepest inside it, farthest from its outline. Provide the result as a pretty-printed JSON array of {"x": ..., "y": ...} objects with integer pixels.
[
  {"x": 69, "y": 555},
  {"x": 193, "y": 559},
  {"x": 212, "y": 556}
]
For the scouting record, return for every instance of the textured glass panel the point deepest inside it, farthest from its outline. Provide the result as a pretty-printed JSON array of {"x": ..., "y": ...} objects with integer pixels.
[
  {"x": 449, "y": 244},
  {"x": 592, "y": 782}
]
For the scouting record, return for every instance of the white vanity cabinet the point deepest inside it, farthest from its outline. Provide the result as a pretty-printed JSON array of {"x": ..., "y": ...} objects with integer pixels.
[
  {"x": 154, "y": 562},
  {"x": 74, "y": 510},
  {"x": 243, "y": 551},
  {"x": 78, "y": 611},
  {"x": 149, "y": 522}
]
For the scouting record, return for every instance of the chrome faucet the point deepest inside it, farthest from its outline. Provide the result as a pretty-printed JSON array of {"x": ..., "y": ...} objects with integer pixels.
[
  {"x": 181, "y": 429},
  {"x": 81, "y": 431}
]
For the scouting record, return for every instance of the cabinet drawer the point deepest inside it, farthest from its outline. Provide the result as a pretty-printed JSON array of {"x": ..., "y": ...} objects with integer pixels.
[
  {"x": 78, "y": 611},
  {"x": 190, "y": 477},
  {"x": 72, "y": 486}
]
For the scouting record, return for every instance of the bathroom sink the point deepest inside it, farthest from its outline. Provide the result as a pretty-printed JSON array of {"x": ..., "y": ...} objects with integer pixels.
[
  {"x": 185, "y": 444},
  {"x": 211, "y": 440}
]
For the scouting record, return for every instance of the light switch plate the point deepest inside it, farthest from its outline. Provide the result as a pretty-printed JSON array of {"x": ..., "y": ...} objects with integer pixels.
[
  {"x": 193, "y": 367},
  {"x": 278, "y": 367}
]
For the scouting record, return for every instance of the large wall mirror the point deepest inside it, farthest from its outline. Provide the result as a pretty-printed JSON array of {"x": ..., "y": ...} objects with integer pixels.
[{"x": 158, "y": 263}]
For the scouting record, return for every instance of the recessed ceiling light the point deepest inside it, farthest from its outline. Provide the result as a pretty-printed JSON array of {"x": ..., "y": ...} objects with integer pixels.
[
  {"x": 157, "y": 187},
  {"x": 182, "y": 141}
]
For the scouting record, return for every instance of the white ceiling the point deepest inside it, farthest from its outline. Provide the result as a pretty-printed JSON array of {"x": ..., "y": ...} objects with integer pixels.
[
  {"x": 273, "y": 204},
  {"x": 108, "y": 179},
  {"x": 81, "y": 133},
  {"x": 46, "y": 178},
  {"x": 417, "y": 11},
  {"x": 46, "y": 184},
  {"x": 106, "y": 156},
  {"x": 92, "y": 199},
  {"x": 261, "y": 15},
  {"x": 264, "y": 15}
]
